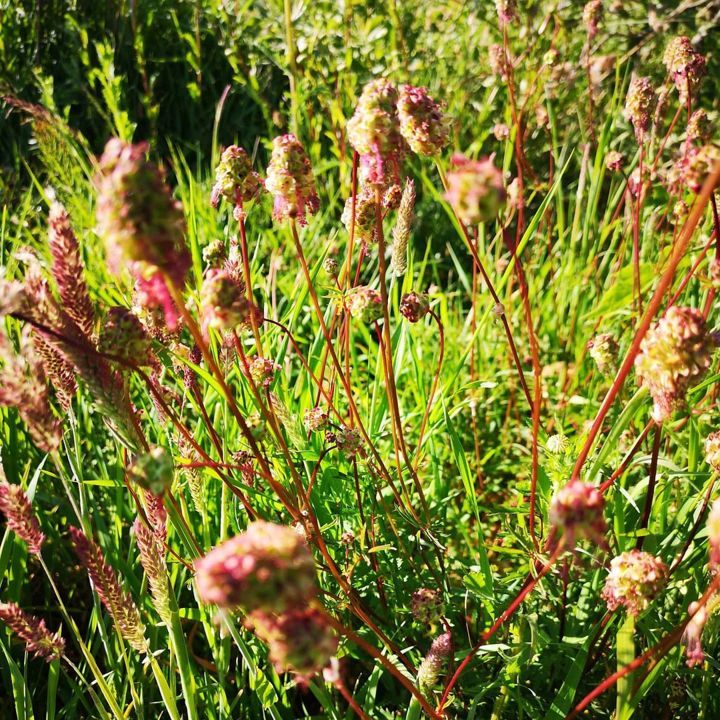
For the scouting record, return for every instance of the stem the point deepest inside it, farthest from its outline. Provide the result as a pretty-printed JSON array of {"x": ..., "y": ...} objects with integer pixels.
[
  {"x": 625, "y": 652},
  {"x": 651, "y": 485}
]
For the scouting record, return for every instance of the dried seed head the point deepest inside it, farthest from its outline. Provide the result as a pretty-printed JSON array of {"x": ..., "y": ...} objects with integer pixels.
[
  {"x": 300, "y": 640},
  {"x": 123, "y": 335},
  {"x": 140, "y": 222},
  {"x": 692, "y": 635},
  {"x": 635, "y": 578},
  {"x": 614, "y": 161},
  {"x": 475, "y": 189},
  {"x": 685, "y": 66},
  {"x": 604, "y": 350},
  {"x": 401, "y": 231},
  {"x": 364, "y": 303},
  {"x": 374, "y": 130},
  {"x": 592, "y": 16},
  {"x": 235, "y": 180},
  {"x": 16, "y": 507},
  {"x": 433, "y": 663},
  {"x": 414, "y": 307},
  {"x": 422, "y": 121},
  {"x": 640, "y": 104},
  {"x": 290, "y": 180},
  {"x": 674, "y": 356},
  {"x": 427, "y": 606},
  {"x": 153, "y": 471},
  {"x": 577, "y": 511},
  {"x": 224, "y": 304},
  {"x": 267, "y": 567},
  {"x": 315, "y": 419},
  {"x": 38, "y": 639},
  {"x": 119, "y": 604}
]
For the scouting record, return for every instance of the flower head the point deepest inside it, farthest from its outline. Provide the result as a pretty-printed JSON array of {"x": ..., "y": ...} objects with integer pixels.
[
  {"x": 364, "y": 303},
  {"x": 674, "y": 356},
  {"x": 267, "y": 567},
  {"x": 224, "y": 304},
  {"x": 712, "y": 450},
  {"x": 697, "y": 164},
  {"x": 475, "y": 189},
  {"x": 374, "y": 130},
  {"x": 18, "y": 512},
  {"x": 290, "y": 180},
  {"x": 235, "y": 180},
  {"x": 123, "y": 335},
  {"x": 153, "y": 471},
  {"x": 592, "y": 16},
  {"x": 506, "y": 11},
  {"x": 366, "y": 211},
  {"x": 692, "y": 635},
  {"x": 577, "y": 510},
  {"x": 640, "y": 104},
  {"x": 699, "y": 126},
  {"x": 614, "y": 161},
  {"x": 422, "y": 122},
  {"x": 347, "y": 440},
  {"x": 433, "y": 663},
  {"x": 427, "y": 605},
  {"x": 635, "y": 578},
  {"x": 414, "y": 307},
  {"x": 685, "y": 66},
  {"x": 38, "y": 639},
  {"x": 603, "y": 349},
  {"x": 261, "y": 371},
  {"x": 315, "y": 419}
]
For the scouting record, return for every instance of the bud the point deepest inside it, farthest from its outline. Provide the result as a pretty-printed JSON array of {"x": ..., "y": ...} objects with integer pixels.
[
  {"x": 374, "y": 130},
  {"x": 422, "y": 122},
  {"x": 501, "y": 131},
  {"x": 261, "y": 371},
  {"x": 267, "y": 567},
  {"x": 577, "y": 511},
  {"x": 685, "y": 66},
  {"x": 475, "y": 189},
  {"x": 153, "y": 471},
  {"x": 414, "y": 307},
  {"x": 427, "y": 606},
  {"x": 364, "y": 303},
  {"x": 38, "y": 639},
  {"x": 499, "y": 62},
  {"x": 614, "y": 161},
  {"x": 603, "y": 350},
  {"x": 635, "y": 578},
  {"x": 674, "y": 356},
  {"x": 300, "y": 640},
  {"x": 15, "y": 506},
  {"x": 223, "y": 303},
  {"x": 433, "y": 663},
  {"x": 557, "y": 444},
  {"x": 640, "y": 104},
  {"x": 315, "y": 419},
  {"x": 235, "y": 180},
  {"x": 123, "y": 335},
  {"x": 347, "y": 440},
  {"x": 330, "y": 266},
  {"x": 290, "y": 180}
]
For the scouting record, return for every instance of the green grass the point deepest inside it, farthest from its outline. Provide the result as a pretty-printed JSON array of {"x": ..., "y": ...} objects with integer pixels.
[{"x": 565, "y": 259}]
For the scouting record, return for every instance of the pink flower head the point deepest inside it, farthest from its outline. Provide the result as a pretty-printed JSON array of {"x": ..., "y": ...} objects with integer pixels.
[
  {"x": 261, "y": 371},
  {"x": 38, "y": 639},
  {"x": 475, "y": 189},
  {"x": 364, "y": 303},
  {"x": 640, "y": 104},
  {"x": 506, "y": 10},
  {"x": 315, "y": 419},
  {"x": 577, "y": 510},
  {"x": 427, "y": 605},
  {"x": 635, "y": 578},
  {"x": 432, "y": 665},
  {"x": 224, "y": 306},
  {"x": 414, "y": 307},
  {"x": 592, "y": 15},
  {"x": 290, "y": 180},
  {"x": 685, "y": 66},
  {"x": 422, "y": 122},
  {"x": 692, "y": 636},
  {"x": 235, "y": 180},
  {"x": 16, "y": 507},
  {"x": 267, "y": 567}
]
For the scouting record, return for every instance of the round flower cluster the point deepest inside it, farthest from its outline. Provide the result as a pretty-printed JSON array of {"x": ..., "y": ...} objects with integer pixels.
[
  {"x": 699, "y": 126},
  {"x": 213, "y": 253},
  {"x": 365, "y": 214},
  {"x": 603, "y": 350},
  {"x": 261, "y": 371},
  {"x": 315, "y": 419},
  {"x": 124, "y": 336},
  {"x": 300, "y": 640},
  {"x": 577, "y": 510},
  {"x": 685, "y": 66},
  {"x": 235, "y": 180},
  {"x": 498, "y": 61},
  {"x": 506, "y": 10},
  {"x": 290, "y": 180},
  {"x": 153, "y": 471},
  {"x": 614, "y": 161},
  {"x": 475, "y": 189},
  {"x": 674, "y": 356},
  {"x": 364, "y": 303},
  {"x": 414, "y": 307},
  {"x": 422, "y": 122},
  {"x": 640, "y": 104},
  {"x": 635, "y": 578},
  {"x": 697, "y": 164},
  {"x": 427, "y": 605},
  {"x": 223, "y": 303},
  {"x": 347, "y": 440},
  {"x": 268, "y": 567}
]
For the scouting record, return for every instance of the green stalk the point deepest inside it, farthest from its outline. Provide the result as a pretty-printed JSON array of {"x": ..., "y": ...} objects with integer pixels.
[
  {"x": 162, "y": 683},
  {"x": 625, "y": 652},
  {"x": 179, "y": 648}
]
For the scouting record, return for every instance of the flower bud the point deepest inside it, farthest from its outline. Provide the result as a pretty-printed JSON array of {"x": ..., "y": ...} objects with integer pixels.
[
  {"x": 614, "y": 161},
  {"x": 261, "y": 371},
  {"x": 475, "y": 189},
  {"x": 414, "y": 307},
  {"x": 685, "y": 66},
  {"x": 223, "y": 303},
  {"x": 433, "y": 663},
  {"x": 592, "y": 16},
  {"x": 603, "y": 350},
  {"x": 365, "y": 215},
  {"x": 577, "y": 511}
]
